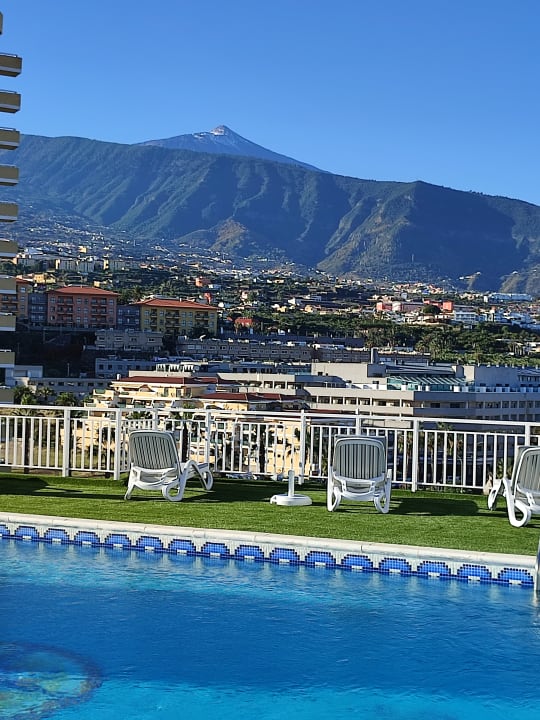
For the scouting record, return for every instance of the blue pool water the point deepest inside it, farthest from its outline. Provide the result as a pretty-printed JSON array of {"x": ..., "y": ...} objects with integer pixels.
[{"x": 106, "y": 634}]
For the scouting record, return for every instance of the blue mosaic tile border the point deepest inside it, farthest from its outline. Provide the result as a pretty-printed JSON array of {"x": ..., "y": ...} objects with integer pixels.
[{"x": 234, "y": 549}]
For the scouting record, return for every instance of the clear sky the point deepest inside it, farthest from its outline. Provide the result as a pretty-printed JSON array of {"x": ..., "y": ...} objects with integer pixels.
[{"x": 446, "y": 91}]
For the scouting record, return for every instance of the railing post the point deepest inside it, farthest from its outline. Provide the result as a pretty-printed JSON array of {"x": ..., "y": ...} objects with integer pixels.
[
  {"x": 537, "y": 573},
  {"x": 414, "y": 459},
  {"x": 66, "y": 450},
  {"x": 527, "y": 434},
  {"x": 118, "y": 444},
  {"x": 302, "y": 460},
  {"x": 208, "y": 431},
  {"x": 357, "y": 422}
]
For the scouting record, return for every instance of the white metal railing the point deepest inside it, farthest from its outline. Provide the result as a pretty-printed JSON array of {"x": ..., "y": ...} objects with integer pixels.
[{"x": 423, "y": 452}]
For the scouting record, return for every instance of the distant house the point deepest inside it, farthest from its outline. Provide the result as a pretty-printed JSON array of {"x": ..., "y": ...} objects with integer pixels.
[{"x": 243, "y": 322}]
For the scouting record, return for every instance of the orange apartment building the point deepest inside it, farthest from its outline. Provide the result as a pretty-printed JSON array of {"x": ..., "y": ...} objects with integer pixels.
[
  {"x": 177, "y": 317},
  {"x": 82, "y": 307}
]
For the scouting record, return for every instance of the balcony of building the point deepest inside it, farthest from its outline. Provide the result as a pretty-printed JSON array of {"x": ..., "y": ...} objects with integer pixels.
[
  {"x": 9, "y": 139},
  {"x": 8, "y": 249},
  {"x": 8, "y": 212},
  {"x": 7, "y": 358},
  {"x": 10, "y": 102},
  {"x": 10, "y": 65},
  {"x": 8, "y": 285},
  {"x": 9, "y": 175},
  {"x": 7, "y": 322}
]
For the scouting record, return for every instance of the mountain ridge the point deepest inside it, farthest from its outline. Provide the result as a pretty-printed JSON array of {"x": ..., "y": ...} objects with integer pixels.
[{"x": 247, "y": 207}]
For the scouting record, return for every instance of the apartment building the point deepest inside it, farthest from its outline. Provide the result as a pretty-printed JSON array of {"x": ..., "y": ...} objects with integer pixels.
[
  {"x": 113, "y": 367},
  {"x": 10, "y": 102},
  {"x": 479, "y": 392},
  {"x": 141, "y": 341},
  {"x": 79, "y": 306},
  {"x": 177, "y": 317},
  {"x": 398, "y": 392},
  {"x": 37, "y": 308},
  {"x": 128, "y": 317}
]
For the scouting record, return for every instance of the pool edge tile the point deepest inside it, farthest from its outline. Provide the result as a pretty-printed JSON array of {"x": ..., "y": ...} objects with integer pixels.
[{"x": 408, "y": 560}]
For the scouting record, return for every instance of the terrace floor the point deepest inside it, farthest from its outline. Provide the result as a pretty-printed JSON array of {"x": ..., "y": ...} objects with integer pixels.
[{"x": 458, "y": 521}]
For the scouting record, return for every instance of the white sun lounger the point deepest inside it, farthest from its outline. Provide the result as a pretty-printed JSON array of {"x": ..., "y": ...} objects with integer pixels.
[
  {"x": 358, "y": 471},
  {"x": 154, "y": 464},
  {"x": 522, "y": 489}
]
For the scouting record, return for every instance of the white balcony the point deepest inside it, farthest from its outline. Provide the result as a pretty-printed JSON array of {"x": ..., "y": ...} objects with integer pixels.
[
  {"x": 10, "y": 102},
  {"x": 9, "y": 139},
  {"x": 10, "y": 65},
  {"x": 8, "y": 212}
]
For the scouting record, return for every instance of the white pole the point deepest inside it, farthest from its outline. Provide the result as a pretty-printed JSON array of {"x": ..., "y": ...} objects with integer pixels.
[{"x": 291, "y": 483}]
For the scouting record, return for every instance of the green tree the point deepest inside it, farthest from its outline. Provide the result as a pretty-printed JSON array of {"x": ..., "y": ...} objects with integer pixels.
[{"x": 67, "y": 399}]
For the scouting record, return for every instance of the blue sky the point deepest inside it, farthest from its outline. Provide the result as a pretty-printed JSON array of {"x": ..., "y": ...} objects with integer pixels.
[{"x": 446, "y": 91}]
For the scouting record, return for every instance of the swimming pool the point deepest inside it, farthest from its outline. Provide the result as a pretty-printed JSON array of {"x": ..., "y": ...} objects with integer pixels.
[{"x": 147, "y": 635}]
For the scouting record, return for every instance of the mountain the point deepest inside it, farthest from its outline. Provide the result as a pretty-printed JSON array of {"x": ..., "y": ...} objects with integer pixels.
[
  {"x": 246, "y": 208},
  {"x": 223, "y": 141}
]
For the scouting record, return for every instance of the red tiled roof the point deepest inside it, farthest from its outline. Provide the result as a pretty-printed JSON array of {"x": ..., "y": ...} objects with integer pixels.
[
  {"x": 156, "y": 380},
  {"x": 241, "y": 396},
  {"x": 83, "y": 290},
  {"x": 179, "y": 304},
  {"x": 168, "y": 379}
]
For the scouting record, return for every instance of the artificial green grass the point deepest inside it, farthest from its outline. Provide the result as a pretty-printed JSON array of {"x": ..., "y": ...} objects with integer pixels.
[{"x": 445, "y": 520}]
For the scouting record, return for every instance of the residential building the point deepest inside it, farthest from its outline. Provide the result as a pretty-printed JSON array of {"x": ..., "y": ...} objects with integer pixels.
[
  {"x": 116, "y": 265},
  {"x": 50, "y": 387},
  {"x": 177, "y": 317},
  {"x": 152, "y": 391},
  {"x": 37, "y": 308},
  {"x": 24, "y": 289},
  {"x": 79, "y": 306},
  {"x": 128, "y": 340},
  {"x": 479, "y": 392},
  {"x": 8, "y": 298},
  {"x": 75, "y": 265},
  {"x": 10, "y": 102},
  {"x": 128, "y": 317},
  {"x": 114, "y": 367}
]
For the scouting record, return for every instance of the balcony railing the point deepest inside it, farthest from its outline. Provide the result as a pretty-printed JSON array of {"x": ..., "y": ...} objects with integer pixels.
[
  {"x": 8, "y": 212},
  {"x": 10, "y": 65},
  {"x": 9, "y": 175},
  {"x": 8, "y": 285},
  {"x": 424, "y": 453},
  {"x": 7, "y": 358},
  {"x": 10, "y": 101},
  {"x": 8, "y": 322},
  {"x": 8, "y": 248},
  {"x": 9, "y": 139}
]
